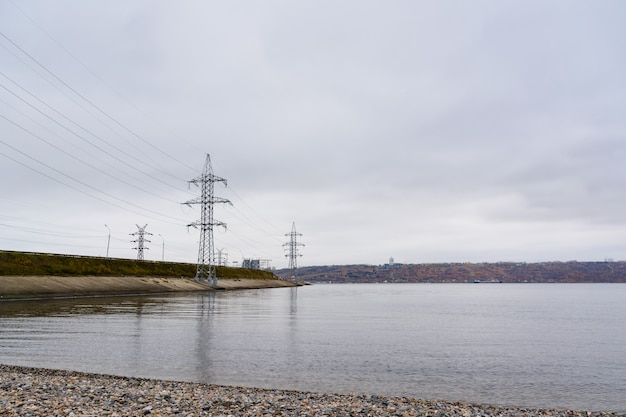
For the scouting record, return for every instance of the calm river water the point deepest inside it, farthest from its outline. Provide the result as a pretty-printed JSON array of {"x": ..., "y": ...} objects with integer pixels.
[{"x": 541, "y": 345}]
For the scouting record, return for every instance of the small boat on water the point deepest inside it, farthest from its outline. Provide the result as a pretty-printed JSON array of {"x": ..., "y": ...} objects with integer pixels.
[{"x": 493, "y": 281}]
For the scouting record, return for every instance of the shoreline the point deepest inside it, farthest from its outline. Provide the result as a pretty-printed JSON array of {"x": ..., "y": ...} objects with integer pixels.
[
  {"x": 42, "y": 392},
  {"x": 46, "y": 287}
]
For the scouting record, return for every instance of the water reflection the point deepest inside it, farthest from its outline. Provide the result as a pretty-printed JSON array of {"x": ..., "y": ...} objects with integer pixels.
[
  {"x": 78, "y": 306},
  {"x": 294, "y": 346},
  {"x": 203, "y": 338}
]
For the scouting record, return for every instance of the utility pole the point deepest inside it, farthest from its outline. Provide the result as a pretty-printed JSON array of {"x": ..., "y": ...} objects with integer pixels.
[
  {"x": 140, "y": 233},
  {"x": 108, "y": 240},
  {"x": 292, "y": 247},
  {"x": 206, "y": 252}
]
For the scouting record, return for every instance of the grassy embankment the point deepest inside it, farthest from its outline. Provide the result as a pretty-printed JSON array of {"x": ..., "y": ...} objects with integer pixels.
[
  {"x": 34, "y": 275},
  {"x": 31, "y": 264}
]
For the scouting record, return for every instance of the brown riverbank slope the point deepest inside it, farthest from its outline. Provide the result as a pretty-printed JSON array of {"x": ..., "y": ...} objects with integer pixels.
[
  {"x": 20, "y": 287},
  {"x": 507, "y": 272}
]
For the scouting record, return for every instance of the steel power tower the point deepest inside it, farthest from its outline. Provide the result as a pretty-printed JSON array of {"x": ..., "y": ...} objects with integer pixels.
[
  {"x": 292, "y": 247},
  {"x": 140, "y": 233},
  {"x": 222, "y": 257},
  {"x": 206, "y": 252}
]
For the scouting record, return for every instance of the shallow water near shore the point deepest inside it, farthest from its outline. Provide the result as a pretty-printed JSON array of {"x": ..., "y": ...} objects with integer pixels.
[{"x": 535, "y": 345}]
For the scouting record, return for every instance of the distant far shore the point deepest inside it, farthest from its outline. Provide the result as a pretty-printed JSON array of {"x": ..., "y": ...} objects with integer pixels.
[
  {"x": 505, "y": 272},
  {"x": 37, "y": 287}
]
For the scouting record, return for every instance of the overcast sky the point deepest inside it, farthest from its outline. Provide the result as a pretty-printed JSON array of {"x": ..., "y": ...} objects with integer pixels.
[{"x": 440, "y": 131}]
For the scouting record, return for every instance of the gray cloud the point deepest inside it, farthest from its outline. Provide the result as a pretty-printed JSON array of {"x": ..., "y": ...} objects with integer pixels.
[{"x": 448, "y": 131}]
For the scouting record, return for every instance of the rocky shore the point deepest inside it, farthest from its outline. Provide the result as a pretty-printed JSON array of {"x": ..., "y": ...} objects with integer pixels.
[{"x": 41, "y": 392}]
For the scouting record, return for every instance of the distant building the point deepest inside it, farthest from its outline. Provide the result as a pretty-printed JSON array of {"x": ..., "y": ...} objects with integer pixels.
[
  {"x": 251, "y": 263},
  {"x": 392, "y": 262}
]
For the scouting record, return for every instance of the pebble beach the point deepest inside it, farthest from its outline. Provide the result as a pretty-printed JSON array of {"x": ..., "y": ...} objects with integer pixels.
[{"x": 43, "y": 392}]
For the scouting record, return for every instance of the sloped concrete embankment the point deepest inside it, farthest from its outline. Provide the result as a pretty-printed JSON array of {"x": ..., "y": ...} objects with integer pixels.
[{"x": 21, "y": 287}]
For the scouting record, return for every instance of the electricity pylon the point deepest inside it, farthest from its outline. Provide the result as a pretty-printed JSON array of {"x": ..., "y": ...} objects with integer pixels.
[
  {"x": 222, "y": 257},
  {"x": 140, "y": 233},
  {"x": 206, "y": 252},
  {"x": 292, "y": 247}
]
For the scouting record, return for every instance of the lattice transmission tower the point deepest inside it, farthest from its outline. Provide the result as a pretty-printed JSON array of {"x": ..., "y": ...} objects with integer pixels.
[
  {"x": 222, "y": 257},
  {"x": 292, "y": 247},
  {"x": 140, "y": 241},
  {"x": 206, "y": 252}
]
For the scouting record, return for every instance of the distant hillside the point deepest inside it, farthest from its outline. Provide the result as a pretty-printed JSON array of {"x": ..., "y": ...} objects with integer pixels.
[
  {"x": 27, "y": 263},
  {"x": 465, "y": 272}
]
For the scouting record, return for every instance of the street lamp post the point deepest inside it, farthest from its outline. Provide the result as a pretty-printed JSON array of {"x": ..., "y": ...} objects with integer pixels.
[{"x": 108, "y": 240}]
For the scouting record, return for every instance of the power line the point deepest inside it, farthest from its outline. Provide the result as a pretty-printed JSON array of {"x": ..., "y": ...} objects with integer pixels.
[
  {"x": 40, "y": 232},
  {"x": 76, "y": 158},
  {"x": 79, "y": 136},
  {"x": 92, "y": 104},
  {"x": 253, "y": 211},
  {"x": 78, "y": 181},
  {"x": 96, "y": 76},
  {"x": 47, "y": 243}
]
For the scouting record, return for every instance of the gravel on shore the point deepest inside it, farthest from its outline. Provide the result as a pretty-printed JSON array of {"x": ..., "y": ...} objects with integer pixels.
[{"x": 43, "y": 392}]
